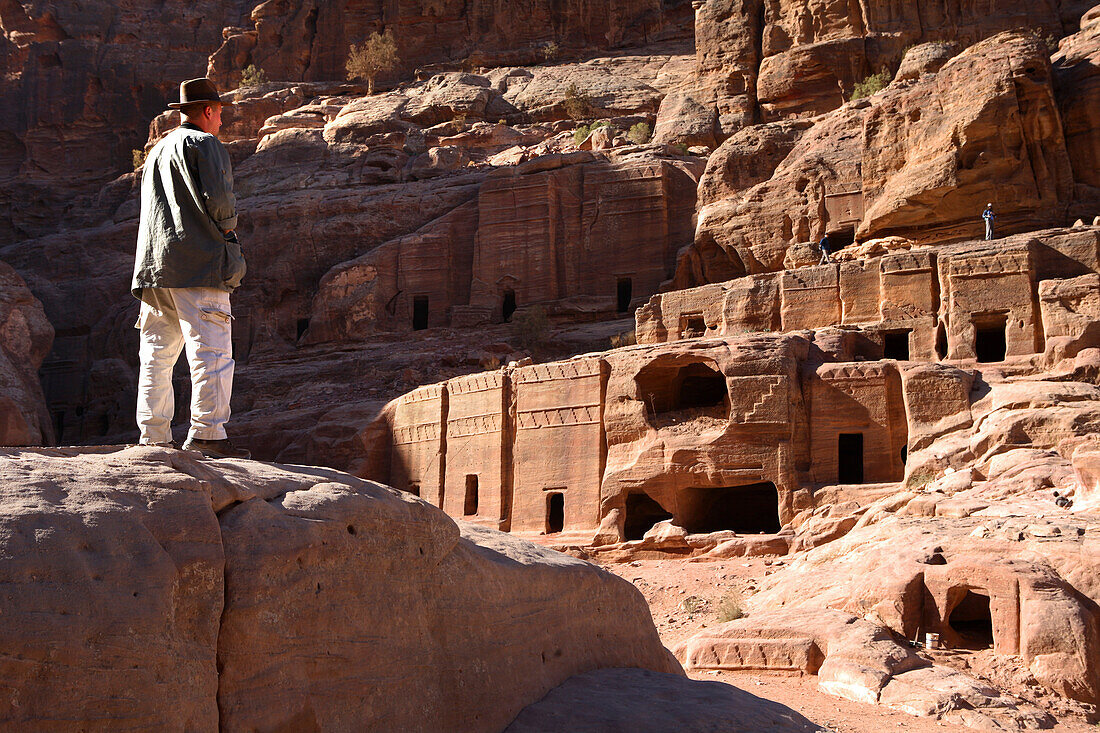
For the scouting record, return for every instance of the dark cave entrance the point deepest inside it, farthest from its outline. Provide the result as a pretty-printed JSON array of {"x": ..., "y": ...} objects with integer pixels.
[
  {"x": 555, "y": 512},
  {"x": 508, "y": 306},
  {"x": 990, "y": 341},
  {"x": 624, "y": 292},
  {"x": 841, "y": 238},
  {"x": 849, "y": 459},
  {"x": 420, "y": 312},
  {"x": 690, "y": 391},
  {"x": 642, "y": 512},
  {"x": 752, "y": 509},
  {"x": 972, "y": 621},
  {"x": 469, "y": 505},
  {"x": 700, "y": 386},
  {"x": 895, "y": 345}
]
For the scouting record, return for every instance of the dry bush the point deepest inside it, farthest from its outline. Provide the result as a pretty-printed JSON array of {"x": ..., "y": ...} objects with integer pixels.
[
  {"x": 639, "y": 133},
  {"x": 578, "y": 105},
  {"x": 731, "y": 607},
  {"x": 139, "y": 158},
  {"x": 376, "y": 55},
  {"x": 531, "y": 325}
]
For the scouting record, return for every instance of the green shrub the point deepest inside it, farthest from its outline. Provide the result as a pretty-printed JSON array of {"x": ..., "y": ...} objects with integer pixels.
[
  {"x": 577, "y": 103},
  {"x": 139, "y": 158},
  {"x": 253, "y": 76},
  {"x": 531, "y": 325},
  {"x": 639, "y": 133},
  {"x": 580, "y": 134},
  {"x": 871, "y": 85},
  {"x": 376, "y": 55}
]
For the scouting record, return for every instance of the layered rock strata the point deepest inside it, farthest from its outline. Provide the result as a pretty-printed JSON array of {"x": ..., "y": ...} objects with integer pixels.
[{"x": 919, "y": 160}]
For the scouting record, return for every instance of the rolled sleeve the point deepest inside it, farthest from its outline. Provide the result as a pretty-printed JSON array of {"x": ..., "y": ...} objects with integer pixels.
[{"x": 215, "y": 174}]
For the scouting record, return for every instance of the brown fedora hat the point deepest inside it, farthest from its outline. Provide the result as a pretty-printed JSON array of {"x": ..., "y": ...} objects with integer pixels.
[{"x": 197, "y": 91}]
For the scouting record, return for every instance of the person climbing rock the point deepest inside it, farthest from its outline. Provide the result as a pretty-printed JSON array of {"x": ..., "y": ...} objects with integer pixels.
[
  {"x": 188, "y": 262},
  {"x": 826, "y": 248},
  {"x": 989, "y": 216}
]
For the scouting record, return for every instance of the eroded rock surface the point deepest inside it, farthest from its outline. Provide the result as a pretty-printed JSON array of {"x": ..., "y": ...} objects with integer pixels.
[
  {"x": 25, "y": 339},
  {"x": 209, "y": 585}
]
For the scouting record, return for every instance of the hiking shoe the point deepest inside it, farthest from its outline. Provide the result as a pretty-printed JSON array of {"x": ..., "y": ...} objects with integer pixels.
[
  {"x": 170, "y": 444},
  {"x": 216, "y": 448}
]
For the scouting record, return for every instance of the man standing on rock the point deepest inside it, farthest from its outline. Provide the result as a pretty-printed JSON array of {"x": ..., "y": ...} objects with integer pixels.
[
  {"x": 188, "y": 261},
  {"x": 989, "y": 216}
]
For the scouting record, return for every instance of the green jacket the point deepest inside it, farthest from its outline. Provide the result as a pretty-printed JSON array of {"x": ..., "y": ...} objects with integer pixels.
[{"x": 187, "y": 208}]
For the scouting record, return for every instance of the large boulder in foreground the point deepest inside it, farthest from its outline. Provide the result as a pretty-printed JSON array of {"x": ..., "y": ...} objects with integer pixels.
[{"x": 150, "y": 588}]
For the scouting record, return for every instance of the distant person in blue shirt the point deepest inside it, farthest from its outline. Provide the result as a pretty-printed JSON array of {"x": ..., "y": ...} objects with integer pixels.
[
  {"x": 826, "y": 247},
  {"x": 989, "y": 216}
]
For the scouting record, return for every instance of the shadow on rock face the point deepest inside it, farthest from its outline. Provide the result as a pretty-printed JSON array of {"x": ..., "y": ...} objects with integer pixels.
[{"x": 642, "y": 701}]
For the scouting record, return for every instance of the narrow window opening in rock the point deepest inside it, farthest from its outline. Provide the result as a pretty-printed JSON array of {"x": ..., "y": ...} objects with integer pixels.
[
  {"x": 990, "y": 344},
  {"x": 904, "y": 454},
  {"x": 508, "y": 307},
  {"x": 625, "y": 292},
  {"x": 414, "y": 488},
  {"x": 841, "y": 238},
  {"x": 692, "y": 326},
  {"x": 972, "y": 621},
  {"x": 59, "y": 426},
  {"x": 850, "y": 458},
  {"x": 420, "y": 312},
  {"x": 469, "y": 507},
  {"x": 303, "y": 326},
  {"x": 555, "y": 512},
  {"x": 895, "y": 345},
  {"x": 941, "y": 342},
  {"x": 750, "y": 509},
  {"x": 642, "y": 512}
]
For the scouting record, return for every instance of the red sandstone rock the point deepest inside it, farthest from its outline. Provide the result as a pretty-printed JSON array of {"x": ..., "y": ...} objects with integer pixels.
[
  {"x": 207, "y": 585},
  {"x": 25, "y": 339},
  {"x": 897, "y": 164},
  {"x": 1077, "y": 83}
]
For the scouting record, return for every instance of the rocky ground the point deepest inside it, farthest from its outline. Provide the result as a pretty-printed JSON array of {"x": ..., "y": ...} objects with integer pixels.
[{"x": 688, "y": 597}]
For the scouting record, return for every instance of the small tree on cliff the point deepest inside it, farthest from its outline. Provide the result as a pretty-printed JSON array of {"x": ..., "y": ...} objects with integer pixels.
[{"x": 376, "y": 55}]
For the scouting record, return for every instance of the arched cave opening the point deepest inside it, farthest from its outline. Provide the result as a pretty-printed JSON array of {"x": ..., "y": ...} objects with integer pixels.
[
  {"x": 555, "y": 512},
  {"x": 841, "y": 238},
  {"x": 697, "y": 387},
  {"x": 508, "y": 306},
  {"x": 941, "y": 341},
  {"x": 642, "y": 512},
  {"x": 972, "y": 621},
  {"x": 752, "y": 509}
]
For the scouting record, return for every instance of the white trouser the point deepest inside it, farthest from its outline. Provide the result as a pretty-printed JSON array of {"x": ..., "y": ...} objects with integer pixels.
[{"x": 171, "y": 320}]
